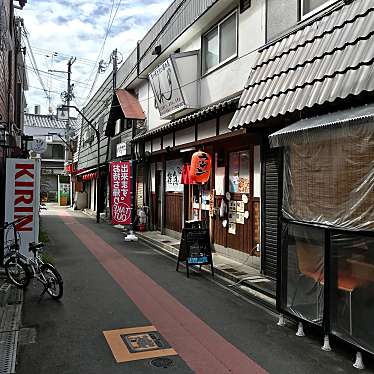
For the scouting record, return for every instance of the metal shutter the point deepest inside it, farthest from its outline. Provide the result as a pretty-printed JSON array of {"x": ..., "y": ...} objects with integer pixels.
[{"x": 271, "y": 205}]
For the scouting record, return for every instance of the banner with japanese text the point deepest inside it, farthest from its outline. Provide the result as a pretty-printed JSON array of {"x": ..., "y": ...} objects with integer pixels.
[{"x": 120, "y": 173}]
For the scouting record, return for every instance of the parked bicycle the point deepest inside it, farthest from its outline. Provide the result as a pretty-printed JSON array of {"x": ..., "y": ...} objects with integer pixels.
[{"x": 20, "y": 269}]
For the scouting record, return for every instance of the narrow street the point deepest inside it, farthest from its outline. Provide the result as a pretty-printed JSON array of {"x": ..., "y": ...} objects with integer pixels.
[{"x": 110, "y": 285}]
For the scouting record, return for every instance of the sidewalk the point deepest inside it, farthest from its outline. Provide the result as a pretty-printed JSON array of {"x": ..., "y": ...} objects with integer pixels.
[{"x": 243, "y": 276}]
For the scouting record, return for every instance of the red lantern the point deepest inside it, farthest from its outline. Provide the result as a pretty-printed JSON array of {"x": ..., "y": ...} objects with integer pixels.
[{"x": 201, "y": 165}]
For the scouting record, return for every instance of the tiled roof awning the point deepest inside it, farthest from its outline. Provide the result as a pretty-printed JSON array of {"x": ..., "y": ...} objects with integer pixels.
[
  {"x": 124, "y": 105},
  {"x": 304, "y": 129},
  {"x": 330, "y": 58},
  {"x": 222, "y": 107},
  {"x": 48, "y": 121}
]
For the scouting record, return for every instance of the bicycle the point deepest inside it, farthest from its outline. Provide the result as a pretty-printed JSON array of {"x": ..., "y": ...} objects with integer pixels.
[{"x": 20, "y": 269}]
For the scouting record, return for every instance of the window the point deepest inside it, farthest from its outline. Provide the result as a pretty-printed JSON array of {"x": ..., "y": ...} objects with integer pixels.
[
  {"x": 54, "y": 152},
  {"x": 239, "y": 180},
  {"x": 309, "y": 7},
  {"x": 244, "y": 5},
  {"x": 220, "y": 43},
  {"x": 118, "y": 128},
  {"x": 122, "y": 124}
]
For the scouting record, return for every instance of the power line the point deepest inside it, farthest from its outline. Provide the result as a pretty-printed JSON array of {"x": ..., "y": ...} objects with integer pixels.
[
  {"x": 109, "y": 26},
  {"x": 43, "y": 50},
  {"x": 167, "y": 25},
  {"x": 81, "y": 83},
  {"x": 34, "y": 64},
  {"x": 54, "y": 92}
]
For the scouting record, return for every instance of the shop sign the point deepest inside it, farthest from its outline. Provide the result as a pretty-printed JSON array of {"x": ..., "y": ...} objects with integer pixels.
[
  {"x": 165, "y": 86},
  {"x": 121, "y": 149},
  {"x": 174, "y": 176},
  {"x": 22, "y": 198},
  {"x": 120, "y": 177},
  {"x": 39, "y": 145},
  {"x": 211, "y": 202},
  {"x": 174, "y": 84},
  {"x": 52, "y": 171},
  {"x": 195, "y": 248}
]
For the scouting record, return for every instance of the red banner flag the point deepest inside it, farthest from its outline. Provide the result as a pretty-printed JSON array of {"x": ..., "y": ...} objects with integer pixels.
[{"x": 120, "y": 173}]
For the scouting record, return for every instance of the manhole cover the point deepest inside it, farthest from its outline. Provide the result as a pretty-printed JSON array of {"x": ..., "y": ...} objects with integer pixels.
[
  {"x": 163, "y": 363},
  {"x": 144, "y": 342}
]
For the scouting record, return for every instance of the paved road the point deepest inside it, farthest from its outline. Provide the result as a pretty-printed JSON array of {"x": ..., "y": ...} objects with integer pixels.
[{"x": 112, "y": 285}]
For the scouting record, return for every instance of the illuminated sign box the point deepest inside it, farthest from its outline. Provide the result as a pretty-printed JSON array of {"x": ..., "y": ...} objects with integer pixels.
[{"x": 175, "y": 84}]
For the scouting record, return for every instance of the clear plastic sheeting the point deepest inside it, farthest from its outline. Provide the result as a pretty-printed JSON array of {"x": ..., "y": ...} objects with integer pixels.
[
  {"x": 304, "y": 264},
  {"x": 329, "y": 177},
  {"x": 352, "y": 288}
]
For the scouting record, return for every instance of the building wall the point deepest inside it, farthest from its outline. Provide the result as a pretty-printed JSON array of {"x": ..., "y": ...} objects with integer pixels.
[
  {"x": 281, "y": 15},
  {"x": 226, "y": 80},
  {"x": 231, "y": 78},
  {"x": 7, "y": 60}
]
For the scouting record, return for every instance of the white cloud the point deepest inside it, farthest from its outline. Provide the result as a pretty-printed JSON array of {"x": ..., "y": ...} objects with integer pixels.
[{"x": 77, "y": 28}]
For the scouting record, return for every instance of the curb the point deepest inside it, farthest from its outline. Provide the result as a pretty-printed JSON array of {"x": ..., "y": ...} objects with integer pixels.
[{"x": 244, "y": 288}]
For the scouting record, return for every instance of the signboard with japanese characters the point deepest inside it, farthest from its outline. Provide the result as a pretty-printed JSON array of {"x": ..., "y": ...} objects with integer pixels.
[
  {"x": 174, "y": 176},
  {"x": 174, "y": 84},
  {"x": 121, "y": 149},
  {"x": 120, "y": 173},
  {"x": 165, "y": 86}
]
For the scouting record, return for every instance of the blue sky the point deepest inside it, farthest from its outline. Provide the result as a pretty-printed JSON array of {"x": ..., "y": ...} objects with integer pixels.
[{"x": 77, "y": 28}]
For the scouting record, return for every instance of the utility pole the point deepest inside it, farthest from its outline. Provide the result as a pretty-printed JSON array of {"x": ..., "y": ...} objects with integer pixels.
[
  {"x": 96, "y": 131},
  {"x": 114, "y": 58},
  {"x": 68, "y": 100},
  {"x": 67, "y": 97}
]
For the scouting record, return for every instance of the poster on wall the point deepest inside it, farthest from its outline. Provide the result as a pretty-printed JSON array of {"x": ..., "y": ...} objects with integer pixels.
[
  {"x": 22, "y": 199},
  {"x": 120, "y": 182},
  {"x": 232, "y": 228},
  {"x": 174, "y": 176}
]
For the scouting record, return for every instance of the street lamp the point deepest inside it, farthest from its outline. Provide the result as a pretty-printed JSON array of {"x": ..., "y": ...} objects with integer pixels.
[{"x": 97, "y": 133}]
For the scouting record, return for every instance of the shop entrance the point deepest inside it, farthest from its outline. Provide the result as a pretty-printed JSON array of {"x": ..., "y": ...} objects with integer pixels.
[
  {"x": 230, "y": 202},
  {"x": 158, "y": 199}
]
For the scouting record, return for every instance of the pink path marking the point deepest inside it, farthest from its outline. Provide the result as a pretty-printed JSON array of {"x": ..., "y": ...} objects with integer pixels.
[{"x": 202, "y": 348}]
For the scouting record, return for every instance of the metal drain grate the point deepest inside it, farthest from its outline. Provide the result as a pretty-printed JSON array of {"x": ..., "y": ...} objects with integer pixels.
[
  {"x": 8, "y": 349},
  {"x": 162, "y": 362},
  {"x": 11, "y": 318},
  {"x": 15, "y": 296}
]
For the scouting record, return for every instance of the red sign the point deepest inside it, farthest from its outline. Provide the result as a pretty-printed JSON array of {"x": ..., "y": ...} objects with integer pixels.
[{"x": 120, "y": 173}]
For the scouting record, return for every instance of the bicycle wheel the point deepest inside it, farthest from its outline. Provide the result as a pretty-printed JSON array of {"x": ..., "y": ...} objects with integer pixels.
[
  {"x": 54, "y": 285},
  {"x": 17, "y": 272}
]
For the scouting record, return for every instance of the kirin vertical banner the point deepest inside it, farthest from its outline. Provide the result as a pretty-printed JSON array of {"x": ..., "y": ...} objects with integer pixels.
[
  {"x": 120, "y": 182},
  {"x": 22, "y": 199}
]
